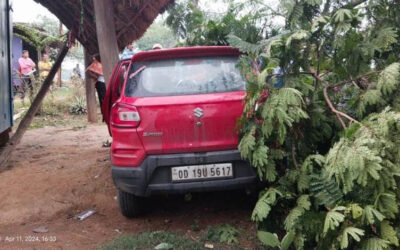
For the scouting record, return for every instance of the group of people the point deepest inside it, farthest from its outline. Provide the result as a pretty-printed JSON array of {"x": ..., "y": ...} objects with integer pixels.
[
  {"x": 95, "y": 70},
  {"x": 26, "y": 68}
]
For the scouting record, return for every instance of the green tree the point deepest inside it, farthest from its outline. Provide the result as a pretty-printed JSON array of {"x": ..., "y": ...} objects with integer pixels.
[
  {"x": 50, "y": 25},
  {"x": 157, "y": 33},
  {"x": 195, "y": 26},
  {"x": 326, "y": 141}
]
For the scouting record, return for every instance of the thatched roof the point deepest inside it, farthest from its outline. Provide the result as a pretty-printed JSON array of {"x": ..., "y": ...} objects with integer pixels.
[{"x": 132, "y": 18}]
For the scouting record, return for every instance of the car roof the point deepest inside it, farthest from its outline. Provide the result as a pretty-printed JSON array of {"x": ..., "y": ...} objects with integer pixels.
[{"x": 196, "y": 51}]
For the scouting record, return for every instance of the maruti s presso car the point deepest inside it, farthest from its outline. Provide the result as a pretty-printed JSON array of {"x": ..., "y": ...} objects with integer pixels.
[{"x": 172, "y": 115}]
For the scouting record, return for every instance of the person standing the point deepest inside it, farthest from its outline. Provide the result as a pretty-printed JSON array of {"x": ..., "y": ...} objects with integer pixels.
[
  {"x": 77, "y": 71},
  {"x": 95, "y": 70},
  {"x": 128, "y": 52},
  {"x": 26, "y": 67},
  {"x": 44, "y": 66}
]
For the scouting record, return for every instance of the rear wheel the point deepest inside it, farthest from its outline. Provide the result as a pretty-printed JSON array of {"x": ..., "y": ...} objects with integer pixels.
[{"x": 130, "y": 205}]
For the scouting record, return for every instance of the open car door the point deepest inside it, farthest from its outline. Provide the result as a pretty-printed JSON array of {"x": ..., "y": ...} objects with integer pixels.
[{"x": 114, "y": 89}]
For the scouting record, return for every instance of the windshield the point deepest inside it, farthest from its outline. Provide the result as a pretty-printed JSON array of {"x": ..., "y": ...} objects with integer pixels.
[{"x": 184, "y": 76}]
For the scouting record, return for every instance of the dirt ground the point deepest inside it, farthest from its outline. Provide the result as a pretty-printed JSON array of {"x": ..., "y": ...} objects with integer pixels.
[{"x": 56, "y": 173}]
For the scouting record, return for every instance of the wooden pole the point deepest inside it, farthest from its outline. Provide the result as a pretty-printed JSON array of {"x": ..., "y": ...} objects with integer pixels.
[
  {"x": 6, "y": 151},
  {"x": 59, "y": 80},
  {"x": 106, "y": 35},
  {"x": 90, "y": 93}
]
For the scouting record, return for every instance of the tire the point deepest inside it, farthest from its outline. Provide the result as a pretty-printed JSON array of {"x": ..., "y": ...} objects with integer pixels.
[{"x": 130, "y": 205}]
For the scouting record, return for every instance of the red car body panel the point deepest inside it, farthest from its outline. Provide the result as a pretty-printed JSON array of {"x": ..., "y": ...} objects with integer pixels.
[
  {"x": 185, "y": 52},
  {"x": 167, "y": 123},
  {"x": 112, "y": 89}
]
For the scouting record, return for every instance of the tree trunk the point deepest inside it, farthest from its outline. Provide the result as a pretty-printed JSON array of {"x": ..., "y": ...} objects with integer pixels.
[
  {"x": 91, "y": 103},
  {"x": 106, "y": 36},
  {"x": 59, "y": 80},
  {"x": 6, "y": 151}
]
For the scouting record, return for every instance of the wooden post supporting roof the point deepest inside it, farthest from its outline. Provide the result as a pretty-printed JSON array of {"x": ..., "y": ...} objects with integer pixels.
[
  {"x": 91, "y": 103},
  {"x": 106, "y": 35}
]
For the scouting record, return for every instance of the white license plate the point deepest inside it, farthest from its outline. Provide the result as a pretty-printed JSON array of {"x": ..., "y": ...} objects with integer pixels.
[{"x": 196, "y": 172}]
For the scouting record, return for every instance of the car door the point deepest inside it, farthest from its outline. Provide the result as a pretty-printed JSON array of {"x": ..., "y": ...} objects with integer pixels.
[{"x": 114, "y": 89}]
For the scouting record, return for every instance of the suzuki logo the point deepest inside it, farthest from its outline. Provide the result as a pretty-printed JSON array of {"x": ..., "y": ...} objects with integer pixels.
[{"x": 198, "y": 112}]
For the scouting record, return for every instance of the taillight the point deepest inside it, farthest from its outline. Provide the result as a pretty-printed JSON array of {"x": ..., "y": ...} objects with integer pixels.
[{"x": 124, "y": 115}]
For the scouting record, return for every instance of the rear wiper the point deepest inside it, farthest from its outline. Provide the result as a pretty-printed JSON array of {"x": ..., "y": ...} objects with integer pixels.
[{"x": 137, "y": 72}]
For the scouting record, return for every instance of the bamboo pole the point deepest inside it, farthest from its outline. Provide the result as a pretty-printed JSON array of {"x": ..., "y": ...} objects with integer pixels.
[
  {"x": 59, "y": 73},
  {"x": 90, "y": 90}
]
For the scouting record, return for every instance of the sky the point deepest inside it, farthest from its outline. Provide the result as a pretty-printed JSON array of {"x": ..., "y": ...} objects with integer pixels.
[{"x": 27, "y": 10}]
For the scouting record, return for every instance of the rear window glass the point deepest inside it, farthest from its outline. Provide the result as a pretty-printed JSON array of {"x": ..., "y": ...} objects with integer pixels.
[{"x": 184, "y": 76}]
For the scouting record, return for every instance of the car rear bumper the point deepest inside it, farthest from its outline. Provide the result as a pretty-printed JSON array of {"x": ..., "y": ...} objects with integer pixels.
[{"x": 153, "y": 176}]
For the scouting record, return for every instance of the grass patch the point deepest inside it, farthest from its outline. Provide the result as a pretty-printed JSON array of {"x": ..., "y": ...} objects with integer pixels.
[
  {"x": 223, "y": 236},
  {"x": 75, "y": 121},
  {"x": 56, "y": 108},
  {"x": 152, "y": 240}
]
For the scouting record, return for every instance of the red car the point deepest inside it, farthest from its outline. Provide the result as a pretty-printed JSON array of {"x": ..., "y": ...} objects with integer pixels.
[{"x": 172, "y": 115}]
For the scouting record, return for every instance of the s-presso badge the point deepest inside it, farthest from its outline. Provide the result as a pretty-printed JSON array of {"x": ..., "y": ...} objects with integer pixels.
[
  {"x": 155, "y": 134},
  {"x": 198, "y": 112}
]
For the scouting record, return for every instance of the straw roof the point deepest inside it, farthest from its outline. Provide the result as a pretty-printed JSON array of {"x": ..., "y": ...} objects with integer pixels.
[{"x": 132, "y": 18}]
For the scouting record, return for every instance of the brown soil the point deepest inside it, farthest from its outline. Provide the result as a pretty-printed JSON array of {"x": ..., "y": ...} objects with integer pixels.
[{"x": 56, "y": 173}]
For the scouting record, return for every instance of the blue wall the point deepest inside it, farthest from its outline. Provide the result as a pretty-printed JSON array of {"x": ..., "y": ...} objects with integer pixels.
[
  {"x": 5, "y": 67},
  {"x": 16, "y": 51}
]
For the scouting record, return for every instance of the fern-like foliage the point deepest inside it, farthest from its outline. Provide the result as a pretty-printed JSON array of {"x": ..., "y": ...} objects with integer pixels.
[
  {"x": 389, "y": 79},
  {"x": 332, "y": 184},
  {"x": 303, "y": 204},
  {"x": 264, "y": 204}
]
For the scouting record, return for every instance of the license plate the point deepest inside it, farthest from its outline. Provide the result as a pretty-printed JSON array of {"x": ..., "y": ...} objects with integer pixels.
[{"x": 196, "y": 172}]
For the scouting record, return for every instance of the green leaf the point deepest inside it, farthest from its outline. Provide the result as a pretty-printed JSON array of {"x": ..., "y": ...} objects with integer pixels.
[
  {"x": 375, "y": 244},
  {"x": 389, "y": 79},
  {"x": 303, "y": 204},
  {"x": 333, "y": 219},
  {"x": 247, "y": 143},
  {"x": 268, "y": 238},
  {"x": 387, "y": 204},
  {"x": 244, "y": 46},
  {"x": 356, "y": 210},
  {"x": 260, "y": 156},
  {"x": 341, "y": 15},
  {"x": 355, "y": 233},
  {"x": 388, "y": 233},
  {"x": 370, "y": 97},
  {"x": 264, "y": 203},
  {"x": 370, "y": 213},
  {"x": 287, "y": 240},
  {"x": 297, "y": 36}
]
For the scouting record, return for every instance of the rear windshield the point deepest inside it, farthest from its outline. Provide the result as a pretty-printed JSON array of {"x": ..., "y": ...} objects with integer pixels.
[{"x": 184, "y": 76}]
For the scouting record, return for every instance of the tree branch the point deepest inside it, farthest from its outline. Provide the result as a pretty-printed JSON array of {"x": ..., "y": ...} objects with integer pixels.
[
  {"x": 294, "y": 156},
  {"x": 328, "y": 101}
]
